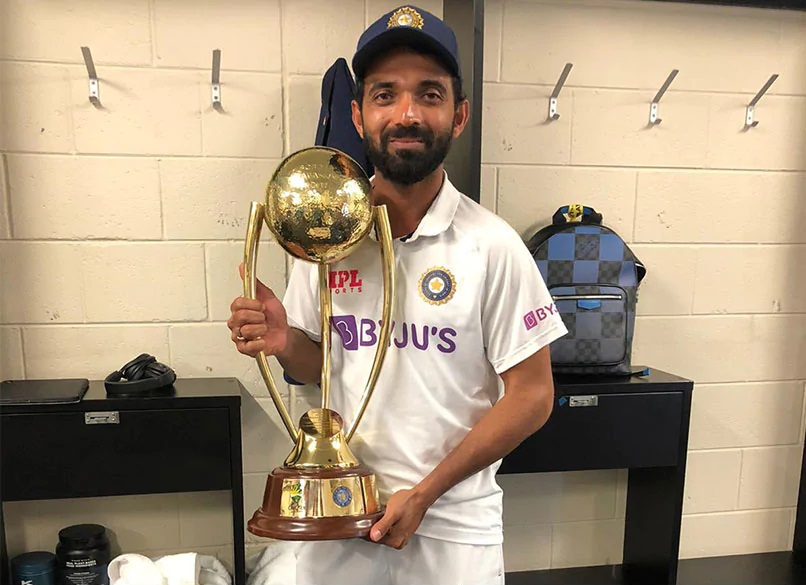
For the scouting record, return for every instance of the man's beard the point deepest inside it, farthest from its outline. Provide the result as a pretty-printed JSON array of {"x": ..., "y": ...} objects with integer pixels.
[{"x": 408, "y": 166}]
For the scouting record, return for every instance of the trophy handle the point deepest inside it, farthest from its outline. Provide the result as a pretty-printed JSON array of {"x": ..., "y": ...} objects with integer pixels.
[
  {"x": 250, "y": 291},
  {"x": 384, "y": 232},
  {"x": 326, "y": 312}
]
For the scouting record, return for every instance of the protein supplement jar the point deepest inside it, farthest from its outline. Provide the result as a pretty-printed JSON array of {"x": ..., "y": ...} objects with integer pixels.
[
  {"x": 34, "y": 568},
  {"x": 83, "y": 555}
]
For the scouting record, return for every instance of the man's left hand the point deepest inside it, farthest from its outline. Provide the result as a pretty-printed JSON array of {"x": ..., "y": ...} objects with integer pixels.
[{"x": 404, "y": 512}]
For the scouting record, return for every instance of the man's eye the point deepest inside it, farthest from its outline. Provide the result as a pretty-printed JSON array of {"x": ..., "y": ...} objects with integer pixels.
[
  {"x": 383, "y": 96},
  {"x": 433, "y": 96}
]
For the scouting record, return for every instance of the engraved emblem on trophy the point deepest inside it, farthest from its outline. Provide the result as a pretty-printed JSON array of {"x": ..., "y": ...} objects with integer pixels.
[{"x": 318, "y": 207}]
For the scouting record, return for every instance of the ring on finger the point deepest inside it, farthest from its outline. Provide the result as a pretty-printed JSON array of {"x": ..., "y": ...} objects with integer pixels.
[{"x": 239, "y": 336}]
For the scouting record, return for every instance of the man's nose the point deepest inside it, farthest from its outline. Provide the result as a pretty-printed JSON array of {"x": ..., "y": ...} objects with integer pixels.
[{"x": 408, "y": 112}]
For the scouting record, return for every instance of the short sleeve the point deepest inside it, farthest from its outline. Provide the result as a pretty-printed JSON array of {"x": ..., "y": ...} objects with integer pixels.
[
  {"x": 301, "y": 300},
  {"x": 518, "y": 314}
]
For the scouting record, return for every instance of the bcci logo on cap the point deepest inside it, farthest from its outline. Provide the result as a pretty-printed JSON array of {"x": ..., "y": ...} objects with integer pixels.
[{"x": 405, "y": 16}]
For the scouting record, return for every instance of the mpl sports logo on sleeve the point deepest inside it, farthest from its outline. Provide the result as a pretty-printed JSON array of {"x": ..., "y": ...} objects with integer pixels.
[
  {"x": 344, "y": 281},
  {"x": 533, "y": 318}
]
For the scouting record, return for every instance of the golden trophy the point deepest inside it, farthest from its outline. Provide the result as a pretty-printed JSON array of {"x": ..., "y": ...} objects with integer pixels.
[{"x": 318, "y": 208}]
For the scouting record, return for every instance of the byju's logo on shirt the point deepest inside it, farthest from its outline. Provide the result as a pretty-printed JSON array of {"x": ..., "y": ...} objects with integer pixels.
[
  {"x": 357, "y": 333},
  {"x": 344, "y": 281},
  {"x": 533, "y": 318}
]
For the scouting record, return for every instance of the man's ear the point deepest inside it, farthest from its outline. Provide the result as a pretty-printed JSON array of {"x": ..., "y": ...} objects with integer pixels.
[
  {"x": 358, "y": 121},
  {"x": 461, "y": 117}
]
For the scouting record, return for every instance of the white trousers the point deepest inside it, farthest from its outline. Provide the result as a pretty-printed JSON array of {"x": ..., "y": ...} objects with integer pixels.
[{"x": 423, "y": 561}]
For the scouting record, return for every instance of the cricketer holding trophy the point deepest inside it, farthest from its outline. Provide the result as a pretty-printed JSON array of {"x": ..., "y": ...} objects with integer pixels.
[{"x": 466, "y": 374}]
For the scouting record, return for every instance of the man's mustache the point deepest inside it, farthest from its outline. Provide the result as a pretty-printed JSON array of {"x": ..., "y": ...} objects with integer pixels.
[{"x": 418, "y": 132}]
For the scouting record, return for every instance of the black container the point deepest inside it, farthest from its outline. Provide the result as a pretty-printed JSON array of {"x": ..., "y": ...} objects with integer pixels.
[
  {"x": 34, "y": 568},
  {"x": 83, "y": 555}
]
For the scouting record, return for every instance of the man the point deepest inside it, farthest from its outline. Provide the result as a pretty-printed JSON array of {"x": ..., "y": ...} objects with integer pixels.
[{"x": 472, "y": 310}]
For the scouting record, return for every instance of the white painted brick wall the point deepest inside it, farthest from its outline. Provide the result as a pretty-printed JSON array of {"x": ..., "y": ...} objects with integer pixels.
[
  {"x": 41, "y": 282},
  {"x": 612, "y": 128},
  {"x": 754, "y": 414},
  {"x": 209, "y": 199},
  {"x": 720, "y": 207},
  {"x": 64, "y": 197},
  {"x": 247, "y": 34},
  {"x": 118, "y": 31},
  {"x": 712, "y": 481},
  {"x": 121, "y": 228},
  {"x": 144, "y": 111},
  {"x": 88, "y": 351},
  {"x": 529, "y": 194},
  {"x": 304, "y": 101},
  {"x": 730, "y": 533},
  {"x": 35, "y": 102},
  {"x": 251, "y": 124},
  {"x": 316, "y": 33},
  {"x": 11, "y": 360}
]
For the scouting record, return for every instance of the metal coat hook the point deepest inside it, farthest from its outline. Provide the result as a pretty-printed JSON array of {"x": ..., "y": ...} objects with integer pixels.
[
  {"x": 749, "y": 122},
  {"x": 94, "y": 93},
  {"x": 553, "y": 115},
  {"x": 216, "y": 88},
  {"x": 653, "y": 109}
]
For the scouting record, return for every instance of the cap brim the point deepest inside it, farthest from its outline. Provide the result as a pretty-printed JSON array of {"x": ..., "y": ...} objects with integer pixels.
[{"x": 401, "y": 36}]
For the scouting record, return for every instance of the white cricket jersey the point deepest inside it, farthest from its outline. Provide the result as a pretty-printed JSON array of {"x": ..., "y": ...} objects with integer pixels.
[{"x": 471, "y": 304}]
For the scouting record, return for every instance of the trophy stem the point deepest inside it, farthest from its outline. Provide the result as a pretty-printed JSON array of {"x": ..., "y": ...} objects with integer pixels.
[
  {"x": 326, "y": 309},
  {"x": 384, "y": 233},
  {"x": 250, "y": 291}
]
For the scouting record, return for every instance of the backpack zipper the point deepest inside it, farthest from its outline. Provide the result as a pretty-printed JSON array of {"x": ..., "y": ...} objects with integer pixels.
[{"x": 601, "y": 297}]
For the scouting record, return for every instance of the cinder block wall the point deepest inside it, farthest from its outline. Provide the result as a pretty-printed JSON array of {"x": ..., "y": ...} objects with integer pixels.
[
  {"x": 713, "y": 211},
  {"x": 122, "y": 227}
]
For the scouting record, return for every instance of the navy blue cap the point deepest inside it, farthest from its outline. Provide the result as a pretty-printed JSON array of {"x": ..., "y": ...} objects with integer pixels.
[{"x": 407, "y": 26}]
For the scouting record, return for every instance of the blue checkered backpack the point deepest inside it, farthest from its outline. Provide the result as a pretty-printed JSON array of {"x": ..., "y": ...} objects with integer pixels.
[{"x": 593, "y": 278}]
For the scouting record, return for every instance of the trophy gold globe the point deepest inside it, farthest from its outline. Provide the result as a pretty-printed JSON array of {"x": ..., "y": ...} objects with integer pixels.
[{"x": 319, "y": 209}]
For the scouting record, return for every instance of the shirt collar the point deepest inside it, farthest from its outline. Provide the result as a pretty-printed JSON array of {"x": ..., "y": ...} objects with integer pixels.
[{"x": 440, "y": 214}]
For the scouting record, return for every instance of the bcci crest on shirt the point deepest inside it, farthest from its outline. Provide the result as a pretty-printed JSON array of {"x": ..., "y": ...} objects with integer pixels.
[{"x": 437, "y": 286}]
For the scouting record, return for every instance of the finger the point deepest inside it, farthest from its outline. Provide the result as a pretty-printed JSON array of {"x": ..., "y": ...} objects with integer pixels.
[
  {"x": 242, "y": 303},
  {"x": 250, "y": 347},
  {"x": 396, "y": 541},
  {"x": 382, "y": 526},
  {"x": 246, "y": 317},
  {"x": 263, "y": 292},
  {"x": 238, "y": 335},
  {"x": 252, "y": 331}
]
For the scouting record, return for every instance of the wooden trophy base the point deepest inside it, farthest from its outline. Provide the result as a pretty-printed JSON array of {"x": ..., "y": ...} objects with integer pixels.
[{"x": 329, "y": 504}]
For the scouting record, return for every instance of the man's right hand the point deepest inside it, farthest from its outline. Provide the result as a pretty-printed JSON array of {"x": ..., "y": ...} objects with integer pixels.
[{"x": 259, "y": 324}]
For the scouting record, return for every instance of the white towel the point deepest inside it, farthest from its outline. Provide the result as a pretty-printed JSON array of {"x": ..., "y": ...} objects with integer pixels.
[
  {"x": 275, "y": 565},
  {"x": 177, "y": 569},
  {"x": 213, "y": 572},
  {"x": 180, "y": 569},
  {"x": 134, "y": 569}
]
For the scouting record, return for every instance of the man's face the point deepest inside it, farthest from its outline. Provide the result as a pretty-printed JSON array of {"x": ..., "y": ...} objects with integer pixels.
[{"x": 408, "y": 116}]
